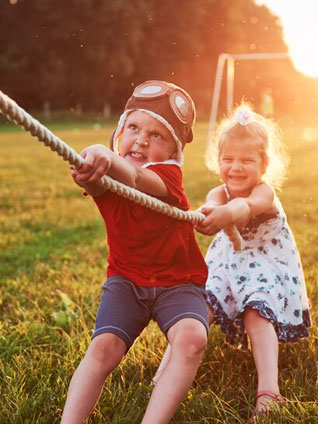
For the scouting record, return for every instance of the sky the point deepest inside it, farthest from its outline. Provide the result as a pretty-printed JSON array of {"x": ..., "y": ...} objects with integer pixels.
[{"x": 300, "y": 25}]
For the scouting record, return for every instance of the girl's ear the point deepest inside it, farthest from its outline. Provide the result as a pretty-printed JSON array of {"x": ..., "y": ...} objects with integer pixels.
[{"x": 264, "y": 163}]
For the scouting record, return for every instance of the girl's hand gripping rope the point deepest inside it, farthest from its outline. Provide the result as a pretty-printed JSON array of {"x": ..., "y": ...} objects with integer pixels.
[{"x": 217, "y": 218}]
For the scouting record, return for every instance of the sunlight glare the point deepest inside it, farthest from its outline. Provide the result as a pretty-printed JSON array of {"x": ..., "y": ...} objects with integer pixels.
[{"x": 299, "y": 21}]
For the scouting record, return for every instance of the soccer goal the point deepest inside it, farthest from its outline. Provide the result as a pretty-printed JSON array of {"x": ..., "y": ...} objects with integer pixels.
[{"x": 227, "y": 61}]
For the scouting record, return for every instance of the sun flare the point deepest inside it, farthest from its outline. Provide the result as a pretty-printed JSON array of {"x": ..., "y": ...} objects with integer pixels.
[{"x": 299, "y": 20}]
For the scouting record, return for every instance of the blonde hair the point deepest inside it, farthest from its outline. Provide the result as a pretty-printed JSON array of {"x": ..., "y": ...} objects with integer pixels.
[{"x": 246, "y": 124}]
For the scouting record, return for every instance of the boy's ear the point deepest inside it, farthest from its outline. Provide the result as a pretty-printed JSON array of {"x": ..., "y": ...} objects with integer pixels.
[
  {"x": 115, "y": 143},
  {"x": 174, "y": 154}
]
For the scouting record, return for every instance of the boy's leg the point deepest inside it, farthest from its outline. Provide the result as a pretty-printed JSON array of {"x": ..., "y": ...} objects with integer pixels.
[
  {"x": 265, "y": 352},
  {"x": 119, "y": 321},
  {"x": 103, "y": 355},
  {"x": 188, "y": 339},
  {"x": 166, "y": 355}
]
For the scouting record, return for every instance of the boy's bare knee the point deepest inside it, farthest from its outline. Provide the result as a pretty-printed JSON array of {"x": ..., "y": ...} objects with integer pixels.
[
  {"x": 105, "y": 345},
  {"x": 195, "y": 345},
  {"x": 192, "y": 349},
  {"x": 190, "y": 339}
]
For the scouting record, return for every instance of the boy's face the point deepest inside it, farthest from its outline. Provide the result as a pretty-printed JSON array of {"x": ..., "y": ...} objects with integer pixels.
[{"x": 145, "y": 139}]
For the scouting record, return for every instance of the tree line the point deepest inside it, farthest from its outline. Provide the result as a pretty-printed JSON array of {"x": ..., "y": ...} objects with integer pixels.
[{"x": 89, "y": 54}]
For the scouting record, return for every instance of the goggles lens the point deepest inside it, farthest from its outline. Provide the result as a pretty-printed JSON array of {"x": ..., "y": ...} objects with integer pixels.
[
  {"x": 181, "y": 106},
  {"x": 151, "y": 90},
  {"x": 179, "y": 101}
]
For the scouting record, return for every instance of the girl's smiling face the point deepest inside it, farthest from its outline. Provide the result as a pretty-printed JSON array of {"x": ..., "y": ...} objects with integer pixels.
[
  {"x": 241, "y": 166},
  {"x": 146, "y": 140}
]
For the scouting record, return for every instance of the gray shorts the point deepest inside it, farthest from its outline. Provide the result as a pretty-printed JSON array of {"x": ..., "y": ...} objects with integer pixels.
[{"x": 126, "y": 309}]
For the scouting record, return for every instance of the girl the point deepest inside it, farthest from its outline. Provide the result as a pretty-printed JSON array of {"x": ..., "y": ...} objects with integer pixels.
[{"x": 260, "y": 291}]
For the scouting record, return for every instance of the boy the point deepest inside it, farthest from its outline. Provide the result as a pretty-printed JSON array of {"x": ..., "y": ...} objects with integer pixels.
[{"x": 155, "y": 268}]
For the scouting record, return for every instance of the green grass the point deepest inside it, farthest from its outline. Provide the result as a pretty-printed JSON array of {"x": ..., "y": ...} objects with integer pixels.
[{"x": 52, "y": 264}]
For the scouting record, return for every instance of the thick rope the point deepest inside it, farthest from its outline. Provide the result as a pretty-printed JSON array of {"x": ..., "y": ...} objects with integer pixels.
[{"x": 19, "y": 116}]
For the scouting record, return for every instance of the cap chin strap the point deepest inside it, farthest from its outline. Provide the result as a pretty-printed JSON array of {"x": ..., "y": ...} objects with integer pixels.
[{"x": 121, "y": 123}]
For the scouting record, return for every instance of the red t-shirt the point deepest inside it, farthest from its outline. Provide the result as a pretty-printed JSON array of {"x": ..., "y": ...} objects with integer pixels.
[{"x": 147, "y": 247}]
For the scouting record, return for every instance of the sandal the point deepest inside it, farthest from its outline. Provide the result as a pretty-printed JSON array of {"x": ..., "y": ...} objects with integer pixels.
[{"x": 277, "y": 399}]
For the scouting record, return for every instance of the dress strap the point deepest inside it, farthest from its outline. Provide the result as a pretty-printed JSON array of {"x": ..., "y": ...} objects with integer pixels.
[{"x": 227, "y": 194}]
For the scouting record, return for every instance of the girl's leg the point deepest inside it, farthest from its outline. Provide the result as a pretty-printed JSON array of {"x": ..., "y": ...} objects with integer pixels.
[
  {"x": 265, "y": 352},
  {"x": 167, "y": 353},
  {"x": 188, "y": 340},
  {"x": 103, "y": 355}
]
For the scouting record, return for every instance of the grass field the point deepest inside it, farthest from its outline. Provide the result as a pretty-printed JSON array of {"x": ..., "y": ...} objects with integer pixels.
[{"x": 53, "y": 259}]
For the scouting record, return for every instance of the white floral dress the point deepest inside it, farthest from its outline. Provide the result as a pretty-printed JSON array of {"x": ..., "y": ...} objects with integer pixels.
[{"x": 266, "y": 275}]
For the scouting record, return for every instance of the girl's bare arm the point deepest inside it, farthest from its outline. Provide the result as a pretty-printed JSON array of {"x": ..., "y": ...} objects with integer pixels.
[{"x": 238, "y": 211}]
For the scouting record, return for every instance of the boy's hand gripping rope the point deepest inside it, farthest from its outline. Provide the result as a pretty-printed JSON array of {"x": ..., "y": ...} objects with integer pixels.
[{"x": 19, "y": 116}]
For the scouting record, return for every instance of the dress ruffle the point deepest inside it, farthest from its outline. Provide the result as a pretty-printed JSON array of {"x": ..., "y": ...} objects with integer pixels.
[{"x": 235, "y": 333}]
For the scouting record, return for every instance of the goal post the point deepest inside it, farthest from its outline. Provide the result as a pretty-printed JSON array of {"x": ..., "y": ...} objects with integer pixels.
[{"x": 227, "y": 61}]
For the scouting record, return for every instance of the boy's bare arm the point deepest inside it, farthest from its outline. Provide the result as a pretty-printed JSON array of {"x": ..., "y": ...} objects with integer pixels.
[{"x": 99, "y": 161}]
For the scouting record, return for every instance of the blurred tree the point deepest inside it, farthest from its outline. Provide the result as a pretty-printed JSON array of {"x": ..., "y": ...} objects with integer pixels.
[
  {"x": 82, "y": 54},
  {"x": 67, "y": 52}
]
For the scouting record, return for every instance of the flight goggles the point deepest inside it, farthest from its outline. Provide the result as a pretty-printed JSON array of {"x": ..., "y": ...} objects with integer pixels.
[{"x": 170, "y": 102}]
